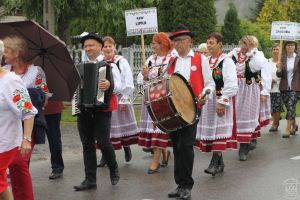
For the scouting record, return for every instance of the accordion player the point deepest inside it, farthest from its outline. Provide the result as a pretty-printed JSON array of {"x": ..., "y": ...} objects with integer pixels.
[{"x": 88, "y": 96}]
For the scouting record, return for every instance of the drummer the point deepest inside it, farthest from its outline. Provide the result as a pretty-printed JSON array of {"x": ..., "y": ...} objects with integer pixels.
[{"x": 194, "y": 67}]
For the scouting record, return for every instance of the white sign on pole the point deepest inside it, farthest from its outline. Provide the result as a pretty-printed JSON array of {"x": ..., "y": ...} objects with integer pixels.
[
  {"x": 298, "y": 32},
  {"x": 141, "y": 21},
  {"x": 284, "y": 31}
]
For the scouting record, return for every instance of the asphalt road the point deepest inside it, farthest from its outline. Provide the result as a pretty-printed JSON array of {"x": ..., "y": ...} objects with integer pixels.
[{"x": 269, "y": 174}]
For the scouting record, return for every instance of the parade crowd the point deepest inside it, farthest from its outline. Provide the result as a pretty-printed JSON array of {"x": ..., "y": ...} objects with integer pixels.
[{"x": 234, "y": 96}]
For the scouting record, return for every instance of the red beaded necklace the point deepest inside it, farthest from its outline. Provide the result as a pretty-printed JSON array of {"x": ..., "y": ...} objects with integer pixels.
[
  {"x": 240, "y": 59},
  {"x": 214, "y": 64}
]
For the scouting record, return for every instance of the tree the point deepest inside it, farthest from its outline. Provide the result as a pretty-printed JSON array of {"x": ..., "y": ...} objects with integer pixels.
[
  {"x": 201, "y": 20},
  {"x": 261, "y": 31},
  {"x": 272, "y": 10},
  {"x": 231, "y": 28},
  {"x": 293, "y": 10},
  {"x": 164, "y": 14}
]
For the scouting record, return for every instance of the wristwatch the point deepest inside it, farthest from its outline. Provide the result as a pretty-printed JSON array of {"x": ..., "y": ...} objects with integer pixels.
[{"x": 28, "y": 138}]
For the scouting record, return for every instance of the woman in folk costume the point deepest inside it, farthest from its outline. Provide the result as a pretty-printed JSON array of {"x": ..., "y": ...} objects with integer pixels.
[
  {"x": 34, "y": 79},
  {"x": 215, "y": 127},
  {"x": 265, "y": 102},
  {"x": 15, "y": 108},
  {"x": 150, "y": 135},
  {"x": 249, "y": 61},
  {"x": 124, "y": 131},
  {"x": 276, "y": 99}
]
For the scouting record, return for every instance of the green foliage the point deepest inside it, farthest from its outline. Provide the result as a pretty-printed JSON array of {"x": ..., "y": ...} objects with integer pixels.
[
  {"x": 261, "y": 31},
  {"x": 198, "y": 16},
  {"x": 164, "y": 15},
  {"x": 231, "y": 28},
  {"x": 293, "y": 10},
  {"x": 272, "y": 10}
]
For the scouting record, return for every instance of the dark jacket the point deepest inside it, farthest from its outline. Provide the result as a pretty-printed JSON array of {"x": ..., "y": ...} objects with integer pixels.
[
  {"x": 283, "y": 86},
  {"x": 40, "y": 124}
]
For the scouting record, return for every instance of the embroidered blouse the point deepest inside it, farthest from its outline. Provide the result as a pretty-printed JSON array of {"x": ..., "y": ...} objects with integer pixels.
[
  {"x": 34, "y": 77},
  {"x": 15, "y": 106}
]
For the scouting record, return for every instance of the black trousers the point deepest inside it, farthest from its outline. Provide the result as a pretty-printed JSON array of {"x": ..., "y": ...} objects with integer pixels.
[
  {"x": 92, "y": 127},
  {"x": 54, "y": 140},
  {"x": 183, "y": 148}
]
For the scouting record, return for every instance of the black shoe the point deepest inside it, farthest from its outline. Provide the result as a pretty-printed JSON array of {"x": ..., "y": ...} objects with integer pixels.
[
  {"x": 273, "y": 129},
  {"x": 221, "y": 165},
  {"x": 214, "y": 165},
  {"x": 153, "y": 171},
  {"x": 164, "y": 163},
  {"x": 85, "y": 185},
  {"x": 128, "y": 154},
  {"x": 243, "y": 151},
  {"x": 253, "y": 144},
  {"x": 55, "y": 175},
  {"x": 102, "y": 162},
  {"x": 185, "y": 194},
  {"x": 148, "y": 150},
  {"x": 115, "y": 175},
  {"x": 175, "y": 193},
  {"x": 294, "y": 131}
]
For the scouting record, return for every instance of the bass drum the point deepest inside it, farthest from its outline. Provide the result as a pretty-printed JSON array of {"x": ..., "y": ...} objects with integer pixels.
[{"x": 171, "y": 102}]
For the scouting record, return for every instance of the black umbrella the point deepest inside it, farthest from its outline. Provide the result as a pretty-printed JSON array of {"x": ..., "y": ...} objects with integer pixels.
[{"x": 48, "y": 52}]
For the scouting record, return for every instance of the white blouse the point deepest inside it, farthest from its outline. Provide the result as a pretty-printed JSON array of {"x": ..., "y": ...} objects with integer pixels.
[
  {"x": 257, "y": 62},
  {"x": 290, "y": 69},
  {"x": 275, "y": 88},
  {"x": 230, "y": 88},
  {"x": 34, "y": 77},
  {"x": 15, "y": 106},
  {"x": 126, "y": 79}
]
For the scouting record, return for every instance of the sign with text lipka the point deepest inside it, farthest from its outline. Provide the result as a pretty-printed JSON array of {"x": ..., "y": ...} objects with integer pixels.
[
  {"x": 284, "y": 31},
  {"x": 141, "y": 21}
]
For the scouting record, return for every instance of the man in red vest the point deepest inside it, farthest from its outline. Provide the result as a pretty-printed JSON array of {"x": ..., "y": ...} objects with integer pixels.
[{"x": 195, "y": 69}]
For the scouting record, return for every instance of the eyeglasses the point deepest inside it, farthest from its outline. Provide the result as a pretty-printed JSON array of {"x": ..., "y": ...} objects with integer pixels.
[{"x": 180, "y": 39}]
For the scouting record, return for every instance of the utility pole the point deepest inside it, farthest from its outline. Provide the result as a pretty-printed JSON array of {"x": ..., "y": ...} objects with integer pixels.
[{"x": 49, "y": 15}]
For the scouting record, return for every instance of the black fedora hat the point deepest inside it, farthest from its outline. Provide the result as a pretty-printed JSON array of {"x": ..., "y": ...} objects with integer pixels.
[
  {"x": 91, "y": 35},
  {"x": 181, "y": 30}
]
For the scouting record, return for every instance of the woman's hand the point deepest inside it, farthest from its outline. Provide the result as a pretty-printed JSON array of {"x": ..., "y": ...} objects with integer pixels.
[
  {"x": 145, "y": 72},
  {"x": 104, "y": 85},
  {"x": 25, "y": 147}
]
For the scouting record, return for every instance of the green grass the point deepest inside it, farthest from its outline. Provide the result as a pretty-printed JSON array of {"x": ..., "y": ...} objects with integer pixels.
[{"x": 67, "y": 114}]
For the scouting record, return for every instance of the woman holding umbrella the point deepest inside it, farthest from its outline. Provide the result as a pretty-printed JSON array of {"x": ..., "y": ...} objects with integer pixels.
[
  {"x": 15, "y": 106},
  {"x": 33, "y": 77}
]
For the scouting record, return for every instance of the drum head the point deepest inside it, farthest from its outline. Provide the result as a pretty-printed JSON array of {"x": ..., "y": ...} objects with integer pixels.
[{"x": 182, "y": 98}]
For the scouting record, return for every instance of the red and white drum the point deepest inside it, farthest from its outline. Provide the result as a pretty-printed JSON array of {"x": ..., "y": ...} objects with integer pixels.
[{"x": 171, "y": 102}]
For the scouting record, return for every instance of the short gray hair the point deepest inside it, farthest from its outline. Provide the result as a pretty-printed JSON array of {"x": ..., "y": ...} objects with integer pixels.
[{"x": 1, "y": 50}]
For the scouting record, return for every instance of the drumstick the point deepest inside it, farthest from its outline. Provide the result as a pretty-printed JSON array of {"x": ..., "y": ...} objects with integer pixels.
[{"x": 207, "y": 92}]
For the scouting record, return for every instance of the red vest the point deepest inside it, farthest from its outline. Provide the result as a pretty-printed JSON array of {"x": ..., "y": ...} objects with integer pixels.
[
  {"x": 196, "y": 77},
  {"x": 113, "y": 104}
]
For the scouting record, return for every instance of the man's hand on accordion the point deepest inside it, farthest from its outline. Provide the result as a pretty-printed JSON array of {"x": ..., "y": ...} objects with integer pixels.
[{"x": 104, "y": 84}]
